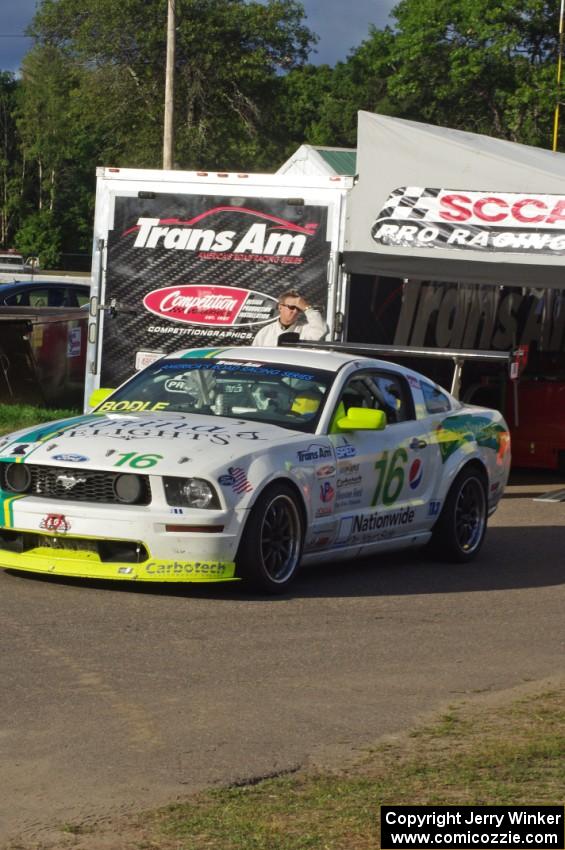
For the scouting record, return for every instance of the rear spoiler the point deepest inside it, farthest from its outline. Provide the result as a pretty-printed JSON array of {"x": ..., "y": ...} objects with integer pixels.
[{"x": 515, "y": 359}]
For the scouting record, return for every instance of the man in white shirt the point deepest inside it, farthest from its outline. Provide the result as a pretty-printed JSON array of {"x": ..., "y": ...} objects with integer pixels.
[{"x": 292, "y": 308}]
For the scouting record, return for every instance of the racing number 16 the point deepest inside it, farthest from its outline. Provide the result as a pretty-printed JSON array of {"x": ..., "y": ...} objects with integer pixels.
[
  {"x": 137, "y": 461},
  {"x": 390, "y": 477}
]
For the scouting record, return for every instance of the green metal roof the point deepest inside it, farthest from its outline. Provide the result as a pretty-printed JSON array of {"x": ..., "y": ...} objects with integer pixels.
[{"x": 342, "y": 160}]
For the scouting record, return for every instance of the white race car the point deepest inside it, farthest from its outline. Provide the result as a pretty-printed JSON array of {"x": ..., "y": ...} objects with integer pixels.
[{"x": 243, "y": 463}]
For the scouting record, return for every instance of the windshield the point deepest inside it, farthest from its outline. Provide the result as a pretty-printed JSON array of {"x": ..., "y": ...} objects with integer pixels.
[{"x": 284, "y": 395}]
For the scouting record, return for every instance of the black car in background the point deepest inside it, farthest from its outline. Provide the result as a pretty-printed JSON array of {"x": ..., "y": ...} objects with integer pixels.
[{"x": 44, "y": 293}]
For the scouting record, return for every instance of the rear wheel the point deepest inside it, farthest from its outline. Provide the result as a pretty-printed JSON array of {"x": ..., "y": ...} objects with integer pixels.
[
  {"x": 270, "y": 551},
  {"x": 459, "y": 532}
]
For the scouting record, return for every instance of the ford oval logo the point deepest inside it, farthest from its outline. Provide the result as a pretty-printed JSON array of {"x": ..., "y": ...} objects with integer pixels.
[
  {"x": 70, "y": 458},
  {"x": 212, "y": 306}
]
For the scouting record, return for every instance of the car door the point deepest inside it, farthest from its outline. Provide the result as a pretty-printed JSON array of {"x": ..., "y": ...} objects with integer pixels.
[{"x": 386, "y": 479}]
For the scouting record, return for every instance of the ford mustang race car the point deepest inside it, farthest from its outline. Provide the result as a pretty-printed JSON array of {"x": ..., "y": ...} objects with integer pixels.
[{"x": 243, "y": 463}]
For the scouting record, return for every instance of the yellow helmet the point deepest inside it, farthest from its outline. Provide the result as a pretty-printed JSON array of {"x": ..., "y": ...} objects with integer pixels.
[{"x": 306, "y": 402}]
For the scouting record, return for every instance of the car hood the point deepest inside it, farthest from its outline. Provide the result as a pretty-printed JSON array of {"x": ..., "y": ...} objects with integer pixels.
[{"x": 175, "y": 443}]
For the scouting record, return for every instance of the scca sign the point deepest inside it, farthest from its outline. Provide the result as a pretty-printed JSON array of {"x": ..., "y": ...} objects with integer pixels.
[{"x": 481, "y": 221}]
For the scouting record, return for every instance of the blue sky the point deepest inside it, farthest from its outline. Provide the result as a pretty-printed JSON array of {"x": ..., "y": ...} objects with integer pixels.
[{"x": 340, "y": 24}]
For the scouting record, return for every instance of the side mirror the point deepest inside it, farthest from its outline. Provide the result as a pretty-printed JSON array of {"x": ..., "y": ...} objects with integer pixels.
[
  {"x": 362, "y": 419},
  {"x": 98, "y": 396}
]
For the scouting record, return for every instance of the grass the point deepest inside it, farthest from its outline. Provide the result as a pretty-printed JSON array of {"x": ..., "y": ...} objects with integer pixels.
[
  {"x": 13, "y": 417},
  {"x": 475, "y": 754}
]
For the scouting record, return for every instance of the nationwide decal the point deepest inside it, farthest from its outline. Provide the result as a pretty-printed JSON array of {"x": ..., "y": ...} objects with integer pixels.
[
  {"x": 364, "y": 528},
  {"x": 415, "y": 474},
  {"x": 211, "y": 306},
  {"x": 236, "y": 479},
  {"x": 488, "y": 221}
]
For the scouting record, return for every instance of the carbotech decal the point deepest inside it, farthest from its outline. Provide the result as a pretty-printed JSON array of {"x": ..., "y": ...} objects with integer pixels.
[{"x": 189, "y": 569}]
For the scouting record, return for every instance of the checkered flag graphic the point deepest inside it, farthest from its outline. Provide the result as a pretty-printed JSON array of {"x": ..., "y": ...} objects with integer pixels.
[{"x": 409, "y": 203}]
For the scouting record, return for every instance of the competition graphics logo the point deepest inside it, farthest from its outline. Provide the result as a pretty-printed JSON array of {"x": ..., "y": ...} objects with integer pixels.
[{"x": 417, "y": 217}]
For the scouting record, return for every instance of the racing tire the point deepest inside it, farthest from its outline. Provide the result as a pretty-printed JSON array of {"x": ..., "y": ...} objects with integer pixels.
[
  {"x": 271, "y": 547},
  {"x": 460, "y": 530}
]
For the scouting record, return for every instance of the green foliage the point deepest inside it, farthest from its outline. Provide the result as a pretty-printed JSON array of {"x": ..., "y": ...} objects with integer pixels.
[{"x": 40, "y": 236}]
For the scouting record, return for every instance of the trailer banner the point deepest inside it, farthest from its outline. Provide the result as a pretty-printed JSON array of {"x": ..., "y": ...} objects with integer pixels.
[
  {"x": 418, "y": 217},
  {"x": 199, "y": 270}
]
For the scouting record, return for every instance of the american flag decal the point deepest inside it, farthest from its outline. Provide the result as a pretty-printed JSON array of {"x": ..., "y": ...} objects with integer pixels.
[{"x": 236, "y": 479}]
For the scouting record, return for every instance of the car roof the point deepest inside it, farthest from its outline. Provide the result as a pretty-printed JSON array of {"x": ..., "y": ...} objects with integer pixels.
[{"x": 313, "y": 358}]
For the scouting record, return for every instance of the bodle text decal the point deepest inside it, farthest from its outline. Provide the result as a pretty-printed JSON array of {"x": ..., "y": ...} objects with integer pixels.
[{"x": 272, "y": 236}]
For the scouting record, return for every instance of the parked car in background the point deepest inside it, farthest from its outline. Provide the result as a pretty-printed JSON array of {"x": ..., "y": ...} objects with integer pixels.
[
  {"x": 44, "y": 293},
  {"x": 12, "y": 261}
]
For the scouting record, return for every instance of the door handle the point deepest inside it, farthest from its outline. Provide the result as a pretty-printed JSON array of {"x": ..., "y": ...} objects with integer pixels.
[{"x": 418, "y": 444}]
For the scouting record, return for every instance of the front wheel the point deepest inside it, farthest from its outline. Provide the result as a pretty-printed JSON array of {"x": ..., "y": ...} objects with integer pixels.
[
  {"x": 459, "y": 532},
  {"x": 270, "y": 550}
]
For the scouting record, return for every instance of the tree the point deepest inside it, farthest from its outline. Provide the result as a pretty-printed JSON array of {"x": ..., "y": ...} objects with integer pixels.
[
  {"x": 228, "y": 55},
  {"x": 471, "y": 64},
  {"x": 10, "y": 161}
]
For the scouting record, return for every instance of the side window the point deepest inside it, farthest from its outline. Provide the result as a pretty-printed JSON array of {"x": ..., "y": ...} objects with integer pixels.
[
  {"x": 38, "y": 298},
  {"x": 19, "y": 299},
  {"x": 436, "y": 401},
  {"x": 56, "y": 297},
  {"x": 82, "y": 298},
  {"x": 379, "y": 391}
]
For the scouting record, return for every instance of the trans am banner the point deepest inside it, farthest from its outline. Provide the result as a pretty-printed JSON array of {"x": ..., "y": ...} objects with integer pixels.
[
  {"x": 190, "y": 270},
  {"x": 433, "y": 203}
]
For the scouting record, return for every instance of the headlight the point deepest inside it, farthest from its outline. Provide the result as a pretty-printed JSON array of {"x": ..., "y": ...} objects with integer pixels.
[
  {"x": 190, "y": 493},
  {"x": 17, "y": 478}
]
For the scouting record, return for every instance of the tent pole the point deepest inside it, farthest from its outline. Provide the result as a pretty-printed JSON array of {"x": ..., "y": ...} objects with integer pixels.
[{"x": 559, "y": 67}]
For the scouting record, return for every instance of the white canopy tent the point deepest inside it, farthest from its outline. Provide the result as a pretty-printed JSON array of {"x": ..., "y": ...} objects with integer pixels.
[{"x": 439, "y": 204}]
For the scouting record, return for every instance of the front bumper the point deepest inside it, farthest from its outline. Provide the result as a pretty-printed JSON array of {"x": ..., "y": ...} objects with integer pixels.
[{"x": 125, "y": 542}]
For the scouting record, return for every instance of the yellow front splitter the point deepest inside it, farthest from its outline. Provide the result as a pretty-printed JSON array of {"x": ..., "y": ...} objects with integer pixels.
[{"x": 84, "y": 564}]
